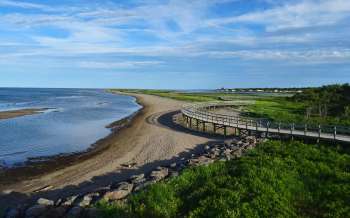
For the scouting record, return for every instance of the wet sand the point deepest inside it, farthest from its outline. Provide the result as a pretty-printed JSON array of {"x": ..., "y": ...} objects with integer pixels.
[
  {"x": 20, "y": 113},
  {"x": 150, "y": 139}
]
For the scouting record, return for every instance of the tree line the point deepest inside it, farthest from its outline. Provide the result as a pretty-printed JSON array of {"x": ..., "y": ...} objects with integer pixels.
[{"x": 330, "y": 100}]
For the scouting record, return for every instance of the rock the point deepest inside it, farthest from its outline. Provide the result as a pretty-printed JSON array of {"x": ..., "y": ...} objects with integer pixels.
[
  {"x": 173, "y": 165},
  {"x": 251, "y": 139},
  {"x": 143, "y": 185},
  {"x": 174, "y": 173},
  {"x": 231, "y": 141},
  {"x": 237, "y": 153},
  {"x": 137, "y": 178},
  {"x": 70, "y": 200},
  {"x": 159, "y": 174},
  {"x": 87, "y": 199},
  {"x": 74, "y": 212},
  {"x": 91, "y": 213},
  {"x": 13, "y": 213},
  {"x": 121, "y": 192},
  {"x": 54, "y": 212},
  {"x": 46, "y": 202},
  {"x": 58, "y": 202},
  {"x": 207, "y": 147},
  {"x": 35, "y": 211},
  {"x": 201, "y": 160}
]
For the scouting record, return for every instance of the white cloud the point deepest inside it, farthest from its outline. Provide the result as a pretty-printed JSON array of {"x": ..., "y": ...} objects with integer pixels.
[
  {"x": 118, "y": 65},
  {"x": 21, "y": 4},
  {"x": 302, "y": 14}
]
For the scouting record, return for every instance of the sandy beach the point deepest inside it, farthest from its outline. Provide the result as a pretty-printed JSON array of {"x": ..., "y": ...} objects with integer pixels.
[
  {"x": 151, "y": 139},
  {"x": 19, "y": 113}
]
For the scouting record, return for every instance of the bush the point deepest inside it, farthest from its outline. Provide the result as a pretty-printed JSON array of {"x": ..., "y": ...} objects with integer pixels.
[{"x": 274, "y": 180}]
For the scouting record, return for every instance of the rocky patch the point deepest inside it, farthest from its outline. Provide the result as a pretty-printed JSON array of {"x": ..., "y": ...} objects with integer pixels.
[{"x": 81, "y": 205}]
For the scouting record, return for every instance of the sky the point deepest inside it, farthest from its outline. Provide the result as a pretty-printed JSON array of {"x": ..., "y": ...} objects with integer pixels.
[{"x": 174, "y": 44}]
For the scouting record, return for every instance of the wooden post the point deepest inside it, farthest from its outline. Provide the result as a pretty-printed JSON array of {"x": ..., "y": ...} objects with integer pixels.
[
  {"x": 267, "y": 129},
  {"x": 319, "y": 133},
  {"x": 291, "y": 130},
  {"x": 203, "y": 126},
  {"x": 225, "y": 131},
  {"x": 305, "y": 129},
  {"x": 214, "y": 127},
  {"x": 335, "y": 133},
  {"x": 279, "y": 127},
  {"x": 197, "y": 124},
  {"x": 190, "y": 122}
]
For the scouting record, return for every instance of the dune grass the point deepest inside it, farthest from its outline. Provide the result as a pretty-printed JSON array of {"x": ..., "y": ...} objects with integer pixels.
[{"x": 274, "y": 180}]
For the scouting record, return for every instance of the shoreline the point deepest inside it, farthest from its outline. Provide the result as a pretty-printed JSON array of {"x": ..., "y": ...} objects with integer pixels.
[
  {"x": 10, "y": 114},
  {"x": 37, "y": 166},
  {"x": 153, "y": 138}
]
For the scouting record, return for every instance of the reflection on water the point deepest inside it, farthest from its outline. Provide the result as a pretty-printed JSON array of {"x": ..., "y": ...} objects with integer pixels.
[{"x": 77, "y": 119}]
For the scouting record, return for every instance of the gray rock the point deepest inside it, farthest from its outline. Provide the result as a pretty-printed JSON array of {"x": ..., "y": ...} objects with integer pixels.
[
  {"x": 173, "y": 165},
  {"x": 58, "y": 202},
  {"x": 237, "y": 153},
  {"x": 91, "y": 213},
  {"x": 75, "y": 212},
  {"x": 121, "y": 192},
  {"x": 70, "y": 200},
  {"x": 35, "y": 211},
  {"x": 54, "y": 212},
  {"x": 174, "y": 173},
  {"x": 88, "y": 199},
  {"x": 46, "y": 202},
  {"x": 201, "y": 160},
  {"x": 207, "y": 147},
  {"x": 137, "y": 178},
  {"x": 13, "y": 213},
  {"x": 159, "y": 174},
  {"x": 143, "y": 185}
]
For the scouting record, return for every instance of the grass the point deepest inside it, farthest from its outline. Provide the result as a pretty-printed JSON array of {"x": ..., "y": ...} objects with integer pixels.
[
  {"x": 274, "y": 180},
  {"x": 275, "y": 107}
]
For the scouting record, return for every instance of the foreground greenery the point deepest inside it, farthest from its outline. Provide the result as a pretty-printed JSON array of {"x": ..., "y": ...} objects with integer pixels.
[{"x": 273, "y": 180}]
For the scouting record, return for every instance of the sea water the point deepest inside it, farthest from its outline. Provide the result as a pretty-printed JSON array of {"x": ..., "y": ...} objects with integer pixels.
[{"x": 76, "y": 118}]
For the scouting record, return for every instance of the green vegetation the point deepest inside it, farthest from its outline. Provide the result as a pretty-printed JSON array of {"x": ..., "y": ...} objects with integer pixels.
[
  {"x": 327, "y": 105},
  {"x": 273, "y": 180},
  {"x": 333, "y": 100}
]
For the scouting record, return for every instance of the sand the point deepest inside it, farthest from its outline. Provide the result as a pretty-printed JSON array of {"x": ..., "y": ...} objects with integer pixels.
[
  {"x": 19, "y": 113},
  {"x": 151, "y": 139}
]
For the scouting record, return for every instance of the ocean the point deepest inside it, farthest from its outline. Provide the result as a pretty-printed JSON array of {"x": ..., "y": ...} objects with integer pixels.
[{"x": 77, "y": 118}]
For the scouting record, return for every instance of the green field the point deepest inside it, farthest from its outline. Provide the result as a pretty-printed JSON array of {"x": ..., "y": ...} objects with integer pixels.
[
  {"x": 273, "y": 180},
  {"x": 276, "y": 107}
]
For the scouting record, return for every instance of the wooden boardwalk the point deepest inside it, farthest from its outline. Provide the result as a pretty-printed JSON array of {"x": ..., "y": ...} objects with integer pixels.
[{"x": 201, "y": 115}]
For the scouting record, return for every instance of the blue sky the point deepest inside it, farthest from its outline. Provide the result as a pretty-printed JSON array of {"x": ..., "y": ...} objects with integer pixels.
[{"x": 175, "y": 44}]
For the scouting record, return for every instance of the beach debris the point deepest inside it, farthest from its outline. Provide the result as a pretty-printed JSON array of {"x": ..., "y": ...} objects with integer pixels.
[{"x": 45, "y": 188}]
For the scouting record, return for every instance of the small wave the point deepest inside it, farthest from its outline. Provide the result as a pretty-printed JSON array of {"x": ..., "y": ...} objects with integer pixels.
[
  {"x": 12, "y": 153},
  {"x": 69, "y": 97}
]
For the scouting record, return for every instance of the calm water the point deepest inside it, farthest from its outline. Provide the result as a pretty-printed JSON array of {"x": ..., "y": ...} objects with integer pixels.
[{"x": 78, "y": 120}]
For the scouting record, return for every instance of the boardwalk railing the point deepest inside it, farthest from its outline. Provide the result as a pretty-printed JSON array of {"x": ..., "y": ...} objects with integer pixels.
[{"x": 202, "y": 112}]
